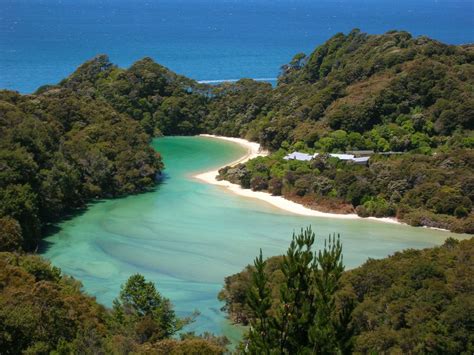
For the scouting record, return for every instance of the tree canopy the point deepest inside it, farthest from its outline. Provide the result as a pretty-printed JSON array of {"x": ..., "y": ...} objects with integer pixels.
[
  {"x": 88, "y": 136},
  {"x": 415, "y": 301},
  {"x": 43, "y": 311},
  {"x": 303, "y": 318}
]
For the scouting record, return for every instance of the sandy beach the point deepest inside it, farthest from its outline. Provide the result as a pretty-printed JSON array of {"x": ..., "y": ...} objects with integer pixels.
[{"x": 254, "y": 150}]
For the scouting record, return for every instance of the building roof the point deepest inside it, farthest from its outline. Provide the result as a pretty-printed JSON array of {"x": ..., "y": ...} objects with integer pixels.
[
  {"x": 361, "y": 152},
  {"x": 343, "y": 156},
  {"x": 361, "y": 160},
  {"x": 298, "y": 156},
  {"x": 307, "y": 157}
]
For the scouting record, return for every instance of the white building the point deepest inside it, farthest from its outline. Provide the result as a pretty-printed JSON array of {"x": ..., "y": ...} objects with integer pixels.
[
  {"x": 307, "y": 157},
  {"x": 299, "y": 156}
]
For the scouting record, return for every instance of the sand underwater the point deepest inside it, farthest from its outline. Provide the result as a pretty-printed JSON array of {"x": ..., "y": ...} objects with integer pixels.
[{"x": 187, "y": 236}]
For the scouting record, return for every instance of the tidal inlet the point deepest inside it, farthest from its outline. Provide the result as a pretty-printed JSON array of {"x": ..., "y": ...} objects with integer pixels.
[{"x": 186, "y": 235}]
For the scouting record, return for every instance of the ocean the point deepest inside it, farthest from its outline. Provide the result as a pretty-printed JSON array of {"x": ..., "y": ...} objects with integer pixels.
[{"x": 42, "y": 41}]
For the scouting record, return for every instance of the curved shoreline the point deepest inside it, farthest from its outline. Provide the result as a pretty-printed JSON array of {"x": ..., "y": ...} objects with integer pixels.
[{"x": 254, "y": 150}]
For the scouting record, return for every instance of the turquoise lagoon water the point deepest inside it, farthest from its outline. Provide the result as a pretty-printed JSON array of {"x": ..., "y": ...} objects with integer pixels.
[{"x": 187, "y": 236}]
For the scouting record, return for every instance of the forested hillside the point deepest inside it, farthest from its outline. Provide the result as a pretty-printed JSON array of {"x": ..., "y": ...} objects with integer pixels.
[
  {"x": 162, "y": 101},
  {"x": 356, "y": 91},
  {"x": 382, "y": 93},
  {"x": 45, "y": 312},
  {"x": 87, "y": 137},
  {"x": 415, "y": 301},
  {"x": 58, "y": 151}
]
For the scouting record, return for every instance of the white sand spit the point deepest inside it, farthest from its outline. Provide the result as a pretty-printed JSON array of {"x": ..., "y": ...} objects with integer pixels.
[{"x": 254, "y": 150}]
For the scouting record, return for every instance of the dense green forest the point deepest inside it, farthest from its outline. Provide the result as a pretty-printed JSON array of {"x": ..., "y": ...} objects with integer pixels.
[
  {"x": 383, "y": 93},
  {"x": 88, "y": 136},
  {"x": 359, "y": 91},
  {"x": 84, "y": 139},
  {"x": 60, "y": 150},
  {"x": 356, "y": 91},
  {"x": 415, "y": 301},
  {"x": 45, "y": 312},
  {"x": 421, "y": 190}
]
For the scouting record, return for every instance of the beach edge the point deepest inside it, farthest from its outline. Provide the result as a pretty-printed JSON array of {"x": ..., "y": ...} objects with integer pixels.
[{"x": 254, "y": 150}]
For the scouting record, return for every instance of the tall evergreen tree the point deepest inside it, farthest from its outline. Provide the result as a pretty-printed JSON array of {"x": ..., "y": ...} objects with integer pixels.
[
  {"x": 141, "y": 307},
  {"x": 259, "y": 299},
  {"x": 307, "y": 319}
]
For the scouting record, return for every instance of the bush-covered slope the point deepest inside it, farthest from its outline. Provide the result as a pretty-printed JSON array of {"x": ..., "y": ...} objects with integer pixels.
[
  {"x": 45, "y": 312},
  {"x": 87, "y": 136},
  {"x": 386, "y": 88},
  {"x": 421, "y": 190},
  {"x": 416, "y": 301},
  {"x": 382, "y": 93},
  {"x": 387, "y": 92},
  {"x": 162, "y": 101},
  {"x": 58, "y": 151}
]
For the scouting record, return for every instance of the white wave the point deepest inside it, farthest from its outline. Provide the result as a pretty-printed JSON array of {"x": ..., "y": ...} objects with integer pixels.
[{"x": 233, "y": 80}]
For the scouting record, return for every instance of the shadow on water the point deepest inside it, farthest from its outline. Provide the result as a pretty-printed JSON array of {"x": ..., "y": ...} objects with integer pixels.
[{"x": 53, "y": 228}]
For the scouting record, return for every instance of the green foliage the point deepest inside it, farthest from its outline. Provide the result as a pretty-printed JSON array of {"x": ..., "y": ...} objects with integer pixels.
[
  {"x": 419, "y": 291},
  {"x": 262, "y": 335},
  {"x": 149, "y": 93},
  {"x": 10, "y": 234},
  {"x": 388, "y": 92},
  {"x": 377, "y": 207},
  {"x": 60, "y": 150},
  {"x": 45, "y": 312},
  {"x": 141, "y": 307},
  {"x": 39, "y": 309},
  {"x": 416, "y": 301},
  {"x": 304, "y": 318},
  {"x": 435, "y": 191},
  {"x": 234, "y": 107},
  {"x": 195, "y": 346}
]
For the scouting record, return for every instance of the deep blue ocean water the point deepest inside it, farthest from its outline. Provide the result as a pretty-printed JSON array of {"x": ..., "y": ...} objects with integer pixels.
[{"x": 42, "y": 41}]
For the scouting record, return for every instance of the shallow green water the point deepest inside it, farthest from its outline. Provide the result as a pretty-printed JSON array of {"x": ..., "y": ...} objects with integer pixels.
[{"x": 187, "y": 236}]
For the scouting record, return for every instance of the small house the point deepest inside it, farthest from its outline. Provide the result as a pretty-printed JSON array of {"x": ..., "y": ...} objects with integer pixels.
[{"x": 347, "y": 157}]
